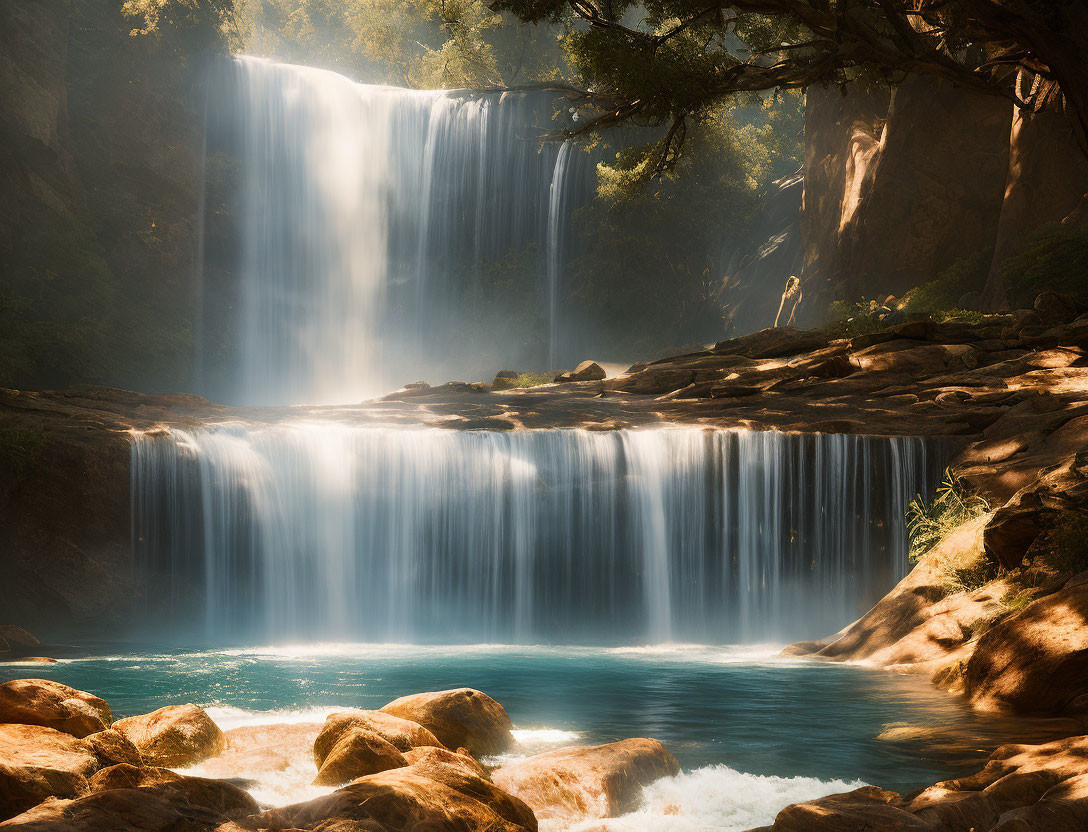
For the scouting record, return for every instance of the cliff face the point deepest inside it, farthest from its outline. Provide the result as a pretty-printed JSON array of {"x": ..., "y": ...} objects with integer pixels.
[
  {"x": 899, "y": 186},
  {"x": 100, "y": 164}
]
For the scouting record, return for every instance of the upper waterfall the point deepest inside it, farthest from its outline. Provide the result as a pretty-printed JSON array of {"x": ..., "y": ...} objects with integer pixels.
[
  {"x": 371, "y": 220},
  {"x": 338, "y": 531}
]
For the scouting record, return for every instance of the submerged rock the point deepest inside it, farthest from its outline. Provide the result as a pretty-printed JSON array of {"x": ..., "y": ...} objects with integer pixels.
[
  {"x": 589, "y": 782},
  {"x": 53, "y": 705},
  {"x": 459, "y": 718},
  {"x": 177, "y": 735},
  {"x": 37, "y": 763}
]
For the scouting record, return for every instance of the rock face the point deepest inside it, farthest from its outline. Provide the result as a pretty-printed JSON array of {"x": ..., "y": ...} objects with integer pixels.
[
  {"x": 460, "y": 718},
  {"x": 1024, "y": 788},
  {"x": 17, "y": 643},
  {"x": 38, "y": 763},
  {"x": 582, "y": 783},
  {"x": 177, "y": 735},
  {"x": 1036, "y": 661},
  {"x": 53, "y": 705}
]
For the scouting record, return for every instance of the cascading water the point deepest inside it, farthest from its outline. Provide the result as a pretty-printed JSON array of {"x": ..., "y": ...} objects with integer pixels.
[
  {"x": 371, "y": 218},
  {"x": 375, "y": 534}
]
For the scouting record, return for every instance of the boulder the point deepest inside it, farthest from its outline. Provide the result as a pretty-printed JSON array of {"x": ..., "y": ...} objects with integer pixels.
[
  {"x": 356, "y": 753},
  {"x": 426, "y": 759},
  {"x": 504, "y": 379},
  {"x": 1036, "y": 661},
  {"x": 403, "y": 734},
  {"x": 126, "y": 776},
  {"x": 38, "y": 762},
  {"x": 16, "y": 643},
  {"x": 112, "y": 747},
  {"x": 459, "y": 718},
  {"x": 867, "y": 808},
  {"x": 177, "y": 735},
  {"x": 118, "y": 810},
  {"x": 588, "y": 782},
  {"x": 586, "y": 371},
  {"x": 53, "y": 705},
  {"x": 404, "y": 799}
]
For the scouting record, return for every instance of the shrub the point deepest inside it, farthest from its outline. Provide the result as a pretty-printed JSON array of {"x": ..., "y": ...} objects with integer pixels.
[
  {"x": 1055, "y": 259},
  {"x": 1069, "y": 543},
  {"x": 533, "y": 379},
  {"x": 929, "y": 523}
]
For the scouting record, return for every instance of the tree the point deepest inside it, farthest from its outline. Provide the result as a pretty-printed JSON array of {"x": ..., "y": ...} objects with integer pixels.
[{"x": 667, "y": 62}]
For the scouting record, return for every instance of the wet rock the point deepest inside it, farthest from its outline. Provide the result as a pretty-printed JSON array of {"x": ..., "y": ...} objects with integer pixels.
[
  {"x": 403, "y": 734},
  {"x": 357, "y": 752},
  {"x": 256, "y": 749},
  {"x": 462, "y": 717},
  {"x": 119, "y": 810},
  {"x": 586, "y": 371},
  {"x": 112, "y": 747},
  {"x": 426, "y": 759},
  {"x": 38, "y": 762},
  {"x": 404, "y": 799},
  {"x": 867, "y": 808},
  {"x": 1036, "y": 661},
  {"x": 126, "y": 776},
  {"x": 583, "y": 783},
  {"x": 53, "y": 705},
  {"x": 177, "y": 735}
]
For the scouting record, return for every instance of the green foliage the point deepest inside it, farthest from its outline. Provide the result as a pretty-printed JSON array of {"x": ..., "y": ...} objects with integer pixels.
[
  {"x": 847, "y": 319},
  {"x": 939, "y": 299},
  {"x": 533, "y": 379},
  {"x": 929, "y": 523},
  {"x": 1069, "y": 543},
  {"x": 1056, "y": 259}
]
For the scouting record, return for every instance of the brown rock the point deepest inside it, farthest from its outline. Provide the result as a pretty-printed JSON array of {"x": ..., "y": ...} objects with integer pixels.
[
  {"x": 356, "y": 753},
  {"x": 425, "y": 759},
  {"x": 53, "y": 705},
  {"x": 112, "y": 747},
  {"x": 405, "y": 799},
  {"x": 1037, "y": 660},
  {"x": 867, "y": 808},
  {"x": 458, "y": 718},
  {"x": 177, "y": 735},
  {"x": 125, "y": 776},
  {"x": 38, "y": 762},
  {"x": 587, "y": 782},
  {"x": 119, "y": 810},
  {"x": 587, "y": 371},
  {"x": 403, "y": 734},
  {"x": 16, "y": 643}
]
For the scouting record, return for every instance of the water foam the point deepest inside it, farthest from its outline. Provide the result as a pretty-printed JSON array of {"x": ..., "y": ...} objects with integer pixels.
[{"x": 714, "y": 797}]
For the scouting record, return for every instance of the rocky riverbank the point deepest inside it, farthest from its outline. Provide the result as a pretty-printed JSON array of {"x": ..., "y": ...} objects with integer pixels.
[{"x": 415, "y": 764}]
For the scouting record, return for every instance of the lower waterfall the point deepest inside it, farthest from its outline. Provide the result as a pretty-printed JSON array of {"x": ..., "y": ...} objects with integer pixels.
[{"x": 363, "y": 533}]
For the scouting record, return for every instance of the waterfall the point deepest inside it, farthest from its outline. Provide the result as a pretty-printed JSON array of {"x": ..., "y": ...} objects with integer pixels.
[
  {"x": 366, "y": 533},
  {"x": 556, "y": 224},
  {"x": 370, "y": 220}
]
